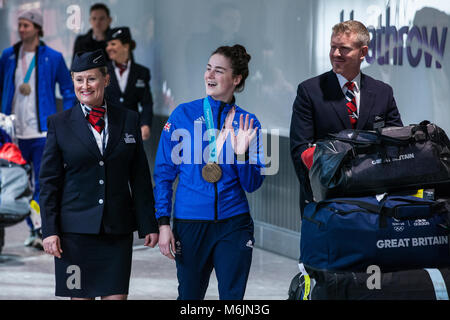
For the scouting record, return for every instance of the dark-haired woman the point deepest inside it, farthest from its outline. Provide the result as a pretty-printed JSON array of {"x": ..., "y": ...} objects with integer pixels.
[
  {"x": 130, "y": 82},
  {"x": 213, "y": 147}
]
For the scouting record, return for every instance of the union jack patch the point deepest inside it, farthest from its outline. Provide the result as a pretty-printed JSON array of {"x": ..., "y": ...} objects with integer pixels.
[{"x": 167, "y": 126}]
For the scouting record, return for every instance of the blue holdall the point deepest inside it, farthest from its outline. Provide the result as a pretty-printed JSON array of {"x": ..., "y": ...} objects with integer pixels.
[{"x": 395, "y": 233}]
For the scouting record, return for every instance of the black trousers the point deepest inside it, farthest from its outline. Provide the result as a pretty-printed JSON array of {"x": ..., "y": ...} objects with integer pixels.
[{"x": 2, "y": 238}]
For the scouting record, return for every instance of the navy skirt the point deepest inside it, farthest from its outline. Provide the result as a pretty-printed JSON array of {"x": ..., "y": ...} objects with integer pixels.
[{"x": 93, "y": 265}]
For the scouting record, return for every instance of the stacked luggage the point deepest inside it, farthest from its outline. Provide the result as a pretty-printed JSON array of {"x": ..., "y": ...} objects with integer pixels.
[
  {"x": 380, "y": 226},
  {"x": 15, "y": 189}
]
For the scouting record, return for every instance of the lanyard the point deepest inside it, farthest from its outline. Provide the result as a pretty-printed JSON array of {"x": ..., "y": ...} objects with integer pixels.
[{"x": 210, "y": 130}]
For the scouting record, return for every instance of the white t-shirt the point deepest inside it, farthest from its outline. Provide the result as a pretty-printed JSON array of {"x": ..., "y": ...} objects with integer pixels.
[{"x": 24, "y": 107}]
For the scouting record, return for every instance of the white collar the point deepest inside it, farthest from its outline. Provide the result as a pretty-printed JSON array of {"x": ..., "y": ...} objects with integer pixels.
[
  {"x": 128, "y": 64},
  {"x": 342, "y": 81},
  {"x": 87, "y": 108}
]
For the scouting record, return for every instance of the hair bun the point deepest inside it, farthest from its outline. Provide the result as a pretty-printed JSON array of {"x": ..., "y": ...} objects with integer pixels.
[
  {"x": 240, "y": 52},
  {"x": 132, "y": 45}
]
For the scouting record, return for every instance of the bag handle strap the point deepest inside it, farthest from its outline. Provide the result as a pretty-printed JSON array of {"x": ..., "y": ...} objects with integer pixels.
[
  {"x": 367, "y": 206},
  {"x": 420, "y": 131},
  {"x": 361, "y": 204},
  {"x": 435, "y": 207},
  {"x": 379, "y": 139}
]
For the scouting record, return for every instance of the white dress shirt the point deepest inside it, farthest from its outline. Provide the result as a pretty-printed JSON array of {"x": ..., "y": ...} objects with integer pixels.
[
  {"x": 356, "y": 90},
  {"x": 122, "y": 79}
]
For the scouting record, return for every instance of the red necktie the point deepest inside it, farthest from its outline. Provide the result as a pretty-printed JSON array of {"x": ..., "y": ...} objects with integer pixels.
[
  {"x": 95, "y": 118},
  {"x": 351, "y": 103},
  {"x": 122, "y": 67}
]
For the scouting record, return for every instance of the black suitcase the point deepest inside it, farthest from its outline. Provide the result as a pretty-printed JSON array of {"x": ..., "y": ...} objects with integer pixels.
[{"x": 418, "y": 284}]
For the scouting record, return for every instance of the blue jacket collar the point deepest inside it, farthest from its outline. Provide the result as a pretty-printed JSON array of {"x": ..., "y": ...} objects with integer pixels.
[
  {"x": 16, "y": 47},
  {"x": 218, "y": 103}
]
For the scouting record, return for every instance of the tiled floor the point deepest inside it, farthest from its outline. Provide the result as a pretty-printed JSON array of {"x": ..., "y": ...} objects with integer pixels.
[{"x": 26, "y": 273}]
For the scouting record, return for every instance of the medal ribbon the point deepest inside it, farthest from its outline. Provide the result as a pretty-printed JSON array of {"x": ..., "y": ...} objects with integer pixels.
[
  {"x": 210, "y": 127},
  {"x": 30, "y": 67},
  {"x": 215, "y": 144},
  {"x": 30, "y": 70}
]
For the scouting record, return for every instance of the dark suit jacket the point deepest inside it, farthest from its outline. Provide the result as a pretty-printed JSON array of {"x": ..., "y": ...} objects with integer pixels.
[
  {"x": 319, "y": 109},
  {"x": 85, "y": 42},
  {"x": 136, "y": 92},
  {"x": 81, "y": 190}
]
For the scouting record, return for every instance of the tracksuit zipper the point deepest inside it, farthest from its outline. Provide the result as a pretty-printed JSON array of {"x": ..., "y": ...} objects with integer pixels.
[
  {"x": 37, "y": 91},
  {"x": 216, "y": 192}
]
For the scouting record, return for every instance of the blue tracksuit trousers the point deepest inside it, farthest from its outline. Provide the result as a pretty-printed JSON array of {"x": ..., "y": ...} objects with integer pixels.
[
  {"x": 32, "y": 150},
  {"x": 226, "y": 246}
]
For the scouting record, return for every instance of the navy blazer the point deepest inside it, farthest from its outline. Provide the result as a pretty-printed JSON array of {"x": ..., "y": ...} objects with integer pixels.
[
  {"x": 82, "y": 190},
  {"x": 137, "y": 91},
  {"x": 319, "y": 109}
]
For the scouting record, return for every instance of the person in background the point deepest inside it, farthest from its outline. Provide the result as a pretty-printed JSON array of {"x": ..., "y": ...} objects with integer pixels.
[
  {"x": 29, "y": 71},
  {"x": 94, "y": 39},
  {"x": 2, "y": 238},
  {"x": 96, "y": 189},
  {"x": 212, "y": 226},
  {"x": 343, "y": 98},
  {"x": 130, "y": 82}
]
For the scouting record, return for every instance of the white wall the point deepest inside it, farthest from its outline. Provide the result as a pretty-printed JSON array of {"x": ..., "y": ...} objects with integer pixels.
[{"x": 288, "y": 41}]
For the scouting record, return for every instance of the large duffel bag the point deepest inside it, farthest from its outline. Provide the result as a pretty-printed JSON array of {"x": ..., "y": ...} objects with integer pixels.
[
  {"x": 363, "y": 162},
  {"x": 395, "y": 233},
  {"x": 417, "y": 284}
]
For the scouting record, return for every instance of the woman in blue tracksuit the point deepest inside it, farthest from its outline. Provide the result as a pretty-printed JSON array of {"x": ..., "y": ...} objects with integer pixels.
[{"x": 212, "y": 226}]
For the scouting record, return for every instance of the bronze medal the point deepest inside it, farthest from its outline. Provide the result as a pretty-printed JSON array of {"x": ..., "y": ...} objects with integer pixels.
[
  {"x": 25, "y": 89},
  {"x": 212, "y": 172}
]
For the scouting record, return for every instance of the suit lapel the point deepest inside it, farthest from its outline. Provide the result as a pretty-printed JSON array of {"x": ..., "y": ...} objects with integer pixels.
[
  {"x": 80, "y": 126},
  {"x": 132, "y": 76},
  {"x": 114, "y": 83},
  {"x": 115, "y": 126},
  {"x": 131, "y": 79},
  {"x": 366, "y": 103},
  {"x": 337, "y": 99}
]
